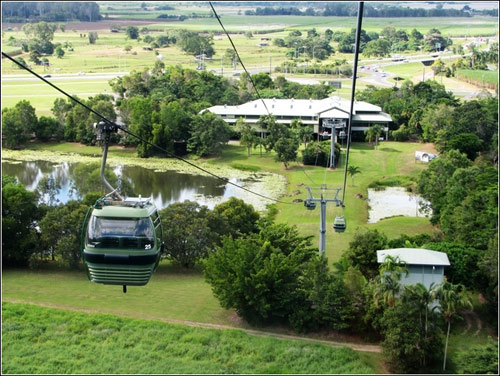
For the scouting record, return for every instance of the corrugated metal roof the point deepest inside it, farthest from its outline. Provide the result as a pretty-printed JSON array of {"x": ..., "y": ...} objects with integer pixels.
[
  {"x": 415, "y": 256},
  {"x": 381, "y": 116},
  {"x": 295, "y": 107}
]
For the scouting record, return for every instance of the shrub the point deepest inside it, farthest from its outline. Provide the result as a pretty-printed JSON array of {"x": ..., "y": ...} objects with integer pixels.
[
  {"x": 276, "y": 276},
  {"x": 318, "y": 153}
]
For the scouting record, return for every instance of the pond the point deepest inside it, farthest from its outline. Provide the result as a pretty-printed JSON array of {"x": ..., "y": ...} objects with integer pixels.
[
  {"x": 164, "y": 187},
  {"x": 394, "y": 201}
]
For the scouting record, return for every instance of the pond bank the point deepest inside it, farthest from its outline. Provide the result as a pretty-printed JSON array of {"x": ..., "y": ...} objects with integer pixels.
[{"x": 265, "y": 183}]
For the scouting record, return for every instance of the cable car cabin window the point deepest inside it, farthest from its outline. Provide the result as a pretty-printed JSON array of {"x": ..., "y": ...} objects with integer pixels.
[{"x": 130, "y": 233}]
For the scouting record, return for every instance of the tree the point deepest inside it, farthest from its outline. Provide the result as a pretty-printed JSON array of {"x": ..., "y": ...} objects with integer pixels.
[
  {"x": 373, "y": 132},
  {"x": 132, "y": 32},
  {"x": 451, "y": 298},
  {"x": 405, "y": 343},
  {"x": 489, "y": 267},
  {"x": 247, "y": 135},
  {"x": 387, "y": 283},
  {"x": 48, "y": 127},
  {"x": 432, "y": 181},
  {"x": 303, "y": 133},
  {"x": 378, "y": 47},
  {"x": 20, "y": 214},
  {"x": 17, "y": 123},
  {"x": 59, "y": 52},
  {"x": 93, "y": 36},
  {"x": 467, "y": 143},
  {"x": 61, "y": 231},
  {"x": 286, "y": 150},
  {"x": 363, "y": 249},
  {"x": 353, "y": 170},
  {"x": 275, "y": 276},
  {"x": 240, "y": 218},
  {"x": 208, "y": 134},
  {"x": 188, "y": 232}
]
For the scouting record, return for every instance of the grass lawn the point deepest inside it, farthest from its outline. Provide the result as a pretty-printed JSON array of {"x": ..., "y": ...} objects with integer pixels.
[
  {"x": 42, "y": 96},
  {"x": 390, "y": 159},
  {"x": 47, "y": 341}
]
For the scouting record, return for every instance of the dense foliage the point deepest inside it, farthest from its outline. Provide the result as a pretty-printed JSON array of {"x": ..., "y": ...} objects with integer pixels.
[
  {"x": 319, "y": 153},
  {"x": 50, "y": 11},
  {"x": 276, "y": 276},
  {"x": 350, "y": 9},
  {"x": 20, "y": 214}
]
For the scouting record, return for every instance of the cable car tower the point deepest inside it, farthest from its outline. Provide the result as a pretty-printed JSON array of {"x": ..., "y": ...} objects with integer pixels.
[{"x": 339, "y": 224}]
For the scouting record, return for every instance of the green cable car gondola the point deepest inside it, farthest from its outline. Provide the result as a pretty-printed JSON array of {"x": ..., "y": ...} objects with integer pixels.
[
  {"x": 122, "y": 238},
  {"x": 339, "y": 223},
  {"x": 122, "y": 242}
]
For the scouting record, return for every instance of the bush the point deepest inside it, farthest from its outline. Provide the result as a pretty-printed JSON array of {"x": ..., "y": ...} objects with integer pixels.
[
  {"x": 276, "y": 276},
  {"x": 318, "y": 153},
  {"x": 463, "y": 263},
  {"x": 480, "y": 359}
]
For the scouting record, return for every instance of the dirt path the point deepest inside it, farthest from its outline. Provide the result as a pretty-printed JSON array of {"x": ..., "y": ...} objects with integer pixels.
[{"x": 354, "y": 346}]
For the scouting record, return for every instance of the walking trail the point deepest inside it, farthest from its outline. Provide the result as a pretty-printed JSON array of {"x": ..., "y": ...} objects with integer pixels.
[{"x": 354, "y": 346}]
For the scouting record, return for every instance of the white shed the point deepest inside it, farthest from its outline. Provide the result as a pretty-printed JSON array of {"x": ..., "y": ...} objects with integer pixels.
[
  {"x": 424, "y": 156},
  {"x": 424, "y": 266}
]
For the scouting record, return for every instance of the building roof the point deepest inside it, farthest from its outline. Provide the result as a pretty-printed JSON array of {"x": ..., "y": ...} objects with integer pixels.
[
  {"x": 415, "y": 256},
  {"x": 331, "y": 107}
]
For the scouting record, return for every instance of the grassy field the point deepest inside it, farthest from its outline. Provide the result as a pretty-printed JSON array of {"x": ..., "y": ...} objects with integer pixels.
[
  {"x": 47, "y": 341},
  {"x": 390, "y": 159},
  {"x": 42, "y": 96},
  {"x": 479, "y": 77}
]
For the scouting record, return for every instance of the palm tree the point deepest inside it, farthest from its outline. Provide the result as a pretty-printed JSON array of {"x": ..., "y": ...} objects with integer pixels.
[
  {"x": 422, "y": 298},
  {"x": 373, "y": 132},
  {"x": 353, "y": 170},
  {"x": 451, "y": 298},
  {"x": 388, "y": 287}
]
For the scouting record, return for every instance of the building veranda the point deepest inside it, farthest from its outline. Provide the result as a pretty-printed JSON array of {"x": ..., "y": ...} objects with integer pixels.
[{"x": 322, "y": 114}]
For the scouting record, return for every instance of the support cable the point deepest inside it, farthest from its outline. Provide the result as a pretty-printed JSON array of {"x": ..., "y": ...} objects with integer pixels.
[
  {"x": 354, "y": 74},
  {"x": 245, "y": 69},
  {"x": 111, "y": 123},
  {"x": 239, "y": 58}
]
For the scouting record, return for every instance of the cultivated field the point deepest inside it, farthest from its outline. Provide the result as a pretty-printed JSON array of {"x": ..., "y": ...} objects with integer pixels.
[{"x": 58, "y": 341}]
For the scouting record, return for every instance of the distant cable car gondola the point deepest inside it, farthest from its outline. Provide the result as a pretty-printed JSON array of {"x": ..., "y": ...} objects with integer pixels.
[
  {"x": 339, "y": 223},
  {"x": 122, "y": 238},
  {"x": 310, "y": 205}
]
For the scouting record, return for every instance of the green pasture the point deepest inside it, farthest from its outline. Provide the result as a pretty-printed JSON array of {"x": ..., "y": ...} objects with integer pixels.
[
  {"x": 42, "y": 96},
  {"x": 479, "y": 76},
  {"x": 449, "y": 26},
  {"x": 390, "y": 159},
  {"x": 53, "y": 341}
]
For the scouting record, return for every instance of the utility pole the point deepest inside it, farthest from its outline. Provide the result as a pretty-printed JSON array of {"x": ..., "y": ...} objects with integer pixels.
[{"x": 310, "y": 203}]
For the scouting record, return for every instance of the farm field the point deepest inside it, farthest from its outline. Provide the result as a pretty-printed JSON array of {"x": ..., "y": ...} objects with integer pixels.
[
  {"x": 42, "y": 96},
  {"x": 481, "y": 77},
  {"x": 59, "y": 341}
]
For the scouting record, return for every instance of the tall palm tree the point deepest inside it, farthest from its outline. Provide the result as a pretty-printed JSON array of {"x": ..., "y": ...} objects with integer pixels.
[
  {"x": 353, "y": 170},
  {"x": 451, "y": 298},
  {"x": 388, "y": 287}
]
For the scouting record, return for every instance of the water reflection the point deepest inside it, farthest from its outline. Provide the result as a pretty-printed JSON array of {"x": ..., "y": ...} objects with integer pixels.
[
  {"x": 393, "y": 201},
  {"x": 163, "y": 187}
]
